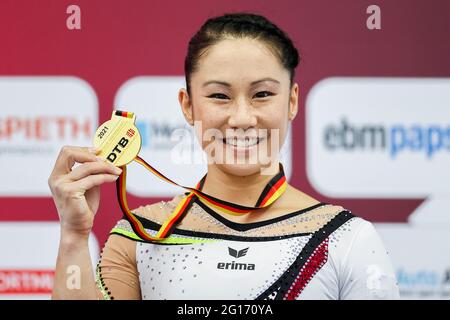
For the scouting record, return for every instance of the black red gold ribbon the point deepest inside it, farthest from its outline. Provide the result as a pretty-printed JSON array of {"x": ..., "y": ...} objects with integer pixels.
[{"x": 273, "y": 190}]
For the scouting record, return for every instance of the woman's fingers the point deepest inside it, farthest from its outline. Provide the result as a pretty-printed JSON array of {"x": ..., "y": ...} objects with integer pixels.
[
  {"x": 91, "y": 168},
  {"x": 69, "y": 155},
  {"x": 91, "y": 181}
]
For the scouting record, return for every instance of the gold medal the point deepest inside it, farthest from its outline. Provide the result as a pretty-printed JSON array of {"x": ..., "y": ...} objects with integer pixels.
[{"x": 118, "y": 139}]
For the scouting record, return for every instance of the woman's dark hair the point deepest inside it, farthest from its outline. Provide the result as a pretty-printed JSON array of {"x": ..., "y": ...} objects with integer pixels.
[{"x": 240, "y": 25}]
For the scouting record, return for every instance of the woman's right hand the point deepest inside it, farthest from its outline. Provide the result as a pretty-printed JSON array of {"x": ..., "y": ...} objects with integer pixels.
[{"x": 76, "y": 191}]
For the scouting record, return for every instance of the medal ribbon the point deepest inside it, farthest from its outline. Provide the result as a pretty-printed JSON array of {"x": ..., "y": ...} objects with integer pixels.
[{"x": 272, "y": 191}]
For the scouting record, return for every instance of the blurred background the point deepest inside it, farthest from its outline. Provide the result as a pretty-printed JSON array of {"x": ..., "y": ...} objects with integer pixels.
[{"x": 372, "y": 133}]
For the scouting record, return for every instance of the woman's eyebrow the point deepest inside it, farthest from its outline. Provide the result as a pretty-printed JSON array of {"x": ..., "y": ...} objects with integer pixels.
[
  {"x": 226, "y": 84},
  {"x": 265, "y": 79}
]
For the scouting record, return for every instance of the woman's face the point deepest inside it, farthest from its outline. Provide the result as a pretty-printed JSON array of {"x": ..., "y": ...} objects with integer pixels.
[{"x": 241, "y": 98}]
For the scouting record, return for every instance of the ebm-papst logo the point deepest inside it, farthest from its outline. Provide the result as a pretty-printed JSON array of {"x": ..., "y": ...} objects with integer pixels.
[{"x": 395, "y": 139}]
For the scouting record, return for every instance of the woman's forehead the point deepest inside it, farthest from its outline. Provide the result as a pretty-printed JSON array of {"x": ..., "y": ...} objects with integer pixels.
[
  {"x": 238, "y": 51},
  {"x": 248, "y": 60}
]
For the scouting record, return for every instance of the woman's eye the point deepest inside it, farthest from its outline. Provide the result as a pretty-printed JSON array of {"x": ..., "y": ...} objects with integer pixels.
[
  {"x": 218, "y": 96},
  {"x": 263, "y": 94}
]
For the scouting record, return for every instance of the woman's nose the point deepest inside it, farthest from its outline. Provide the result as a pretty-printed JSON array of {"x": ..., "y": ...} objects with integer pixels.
[{"x": 242, "y": 115}]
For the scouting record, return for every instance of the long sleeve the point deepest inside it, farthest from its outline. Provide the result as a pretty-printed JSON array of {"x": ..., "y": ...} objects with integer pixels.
[{"x": 366, "y": 271}]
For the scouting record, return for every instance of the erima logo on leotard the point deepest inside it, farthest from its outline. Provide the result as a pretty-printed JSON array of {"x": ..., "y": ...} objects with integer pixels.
[
  {"x": 237, "y": 254},
  {"x": 233, "y": 265}
]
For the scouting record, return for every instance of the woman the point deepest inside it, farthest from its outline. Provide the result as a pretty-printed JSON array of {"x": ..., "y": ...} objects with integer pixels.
[{"x": 239, "y": 84}]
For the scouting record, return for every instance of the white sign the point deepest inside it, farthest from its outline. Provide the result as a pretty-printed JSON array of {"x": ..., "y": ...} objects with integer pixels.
[
  {"x": 420, "y": 259},
  {"x": 38, "y": 116},
  {"x": 381, "y": 138},
  {"x": 29, "y": 251}
]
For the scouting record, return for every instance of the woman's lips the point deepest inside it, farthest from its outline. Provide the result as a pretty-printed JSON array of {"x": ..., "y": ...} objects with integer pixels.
[
  {"x": 243, "y": 145},
  {"x": 242, "y": 142}
]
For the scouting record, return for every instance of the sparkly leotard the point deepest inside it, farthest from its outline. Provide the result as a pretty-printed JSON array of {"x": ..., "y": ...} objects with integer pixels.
[{"x": 321, "y": 252}]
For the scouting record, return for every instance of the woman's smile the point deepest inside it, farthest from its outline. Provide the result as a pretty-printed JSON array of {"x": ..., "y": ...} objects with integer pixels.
[{"x": 242, "y": 146}]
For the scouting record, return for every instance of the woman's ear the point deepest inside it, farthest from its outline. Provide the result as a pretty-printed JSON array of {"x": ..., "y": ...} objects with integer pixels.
[
  {"x": 186, "y": 105},
  {"x": 293, "y": 102}
]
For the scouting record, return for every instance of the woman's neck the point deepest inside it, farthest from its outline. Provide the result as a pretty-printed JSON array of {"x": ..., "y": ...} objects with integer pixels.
[{"x": 243, "y": 190}]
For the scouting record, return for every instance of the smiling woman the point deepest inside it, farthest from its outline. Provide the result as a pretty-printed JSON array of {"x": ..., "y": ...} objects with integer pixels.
[{"x": 257, "y": 237}]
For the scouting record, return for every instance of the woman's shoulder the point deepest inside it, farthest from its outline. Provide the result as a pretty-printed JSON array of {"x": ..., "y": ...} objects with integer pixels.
[
  {"x": 158, "y": 211},
  {"x": 336, "y": 215},
  {"x": 150, "y": 214},
  {"x": 354, "y": 235},
  {"x": 360, "y": 257},
  {"x": 297, "y": 200}
]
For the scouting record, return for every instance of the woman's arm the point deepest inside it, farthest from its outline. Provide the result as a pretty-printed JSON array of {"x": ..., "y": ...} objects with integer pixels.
[
  {"x": 76, "y": 193},
  {"x": 366, "y": 271},
  {"x": 74, "y": 276},
  {"x": 116, "y": 275}
]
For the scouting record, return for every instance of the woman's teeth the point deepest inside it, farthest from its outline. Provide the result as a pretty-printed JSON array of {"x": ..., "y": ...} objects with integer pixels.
[{"x": 242, "y": 142}]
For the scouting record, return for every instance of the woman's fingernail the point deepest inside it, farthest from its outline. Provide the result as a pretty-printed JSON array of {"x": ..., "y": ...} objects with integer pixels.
[
  {"x": 117, "y": 170},
  {"x": 98, "y": 158},
  {"x": 93, "y": 150}
]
